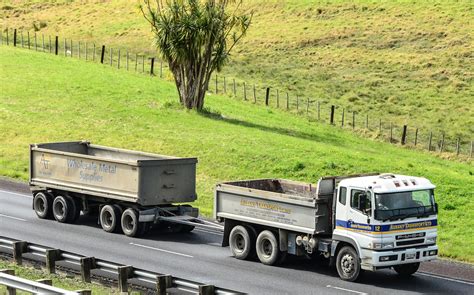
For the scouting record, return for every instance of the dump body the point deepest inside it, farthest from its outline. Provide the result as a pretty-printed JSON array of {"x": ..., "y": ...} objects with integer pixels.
[
  {"x": 142, "y": 178},
  {"x": 277, "y": 203}
]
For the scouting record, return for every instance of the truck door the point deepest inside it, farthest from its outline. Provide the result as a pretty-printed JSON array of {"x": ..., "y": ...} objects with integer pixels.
[{"x": 357, "y": 213}]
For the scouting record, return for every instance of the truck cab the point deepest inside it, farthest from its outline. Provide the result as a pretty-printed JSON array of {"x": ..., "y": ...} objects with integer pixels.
[{"x": 383, "y": 221}]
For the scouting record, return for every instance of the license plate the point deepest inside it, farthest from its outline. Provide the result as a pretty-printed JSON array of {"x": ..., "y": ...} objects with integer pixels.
[{"x": 410, "y": 256}]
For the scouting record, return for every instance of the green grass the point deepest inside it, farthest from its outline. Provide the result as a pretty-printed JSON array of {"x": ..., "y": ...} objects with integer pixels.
[
  {"x": 59, "y": 280},
  {"x": 44, "y": 98},
  {"x": 406, "y": 62}
]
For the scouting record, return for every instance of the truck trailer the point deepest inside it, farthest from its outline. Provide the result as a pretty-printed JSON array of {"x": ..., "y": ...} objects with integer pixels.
[
  {"x": 366, "y": 222},
  {"x": 130, "y": 191}
]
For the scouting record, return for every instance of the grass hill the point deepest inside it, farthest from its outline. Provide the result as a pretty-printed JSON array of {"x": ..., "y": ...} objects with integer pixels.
[
  {"x": 407, "y": 62},
  {"x": 48, "y": 98}
]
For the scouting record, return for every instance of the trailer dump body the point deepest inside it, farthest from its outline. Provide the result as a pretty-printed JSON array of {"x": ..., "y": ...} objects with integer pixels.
[
  {"x": 277, "y": 203},
  {"x": 136, "y": 177}
]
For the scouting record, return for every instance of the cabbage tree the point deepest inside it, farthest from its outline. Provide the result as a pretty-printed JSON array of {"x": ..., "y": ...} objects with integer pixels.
[{"x": 195, "y": 38}]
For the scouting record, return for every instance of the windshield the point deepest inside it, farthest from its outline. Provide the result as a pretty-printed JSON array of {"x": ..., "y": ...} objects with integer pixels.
[{"x": 401, "y": 205}]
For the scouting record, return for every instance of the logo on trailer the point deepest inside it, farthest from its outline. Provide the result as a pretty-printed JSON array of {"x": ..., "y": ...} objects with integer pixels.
[{"x": 44, "y": 162}]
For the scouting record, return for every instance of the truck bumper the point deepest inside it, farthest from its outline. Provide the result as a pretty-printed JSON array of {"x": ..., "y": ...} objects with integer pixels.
[{"x": 372, "y": 260}]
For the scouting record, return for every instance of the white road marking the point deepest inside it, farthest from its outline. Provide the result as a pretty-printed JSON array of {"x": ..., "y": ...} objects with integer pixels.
[
  {"x": 208, "y": 232},
  {"x": 444, "y": 278},
  {"x": 161, "y": 250},
  {"x": 11, "y": 217},
  {"x": 347, "y": 290},
  {"x": 17, "y": 194}
]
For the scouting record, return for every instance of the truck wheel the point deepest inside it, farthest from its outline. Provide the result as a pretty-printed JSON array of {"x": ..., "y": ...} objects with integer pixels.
[
  {"x": 406, "y": 270},
  {"x": 42, "y": 203},
  {"x": 267, "y": 248},
  {"x": 62, "y": 209},
  {"x": 239, "y": 242},
  {"x": 110, "y": 218},
  {"x": 347, "y": 264},
  {"x": 130, "y": 225},
  {"x": 75, "y": 209}
]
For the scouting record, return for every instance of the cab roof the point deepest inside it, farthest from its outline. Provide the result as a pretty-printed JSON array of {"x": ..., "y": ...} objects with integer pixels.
[{"x": 388, "y": 183}]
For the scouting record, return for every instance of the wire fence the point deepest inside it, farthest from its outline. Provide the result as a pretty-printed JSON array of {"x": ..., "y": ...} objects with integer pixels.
[{"x": 317, "y": 110}]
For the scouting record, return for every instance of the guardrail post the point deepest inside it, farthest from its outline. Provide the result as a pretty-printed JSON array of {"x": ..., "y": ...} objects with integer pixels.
[
  {"x": 206, "y": 290},
  {"x": 52, "y": 255},
  {"x": 152, "y": 65},
  {"x": 124, "y": 273},
  {"x": 87, "y": 264},
  {"x": 19, "y": 248},
  {"x": 163, "y": 282},
  {"x": 48, "y": 282},
  {"x": 10, "y": 290}
]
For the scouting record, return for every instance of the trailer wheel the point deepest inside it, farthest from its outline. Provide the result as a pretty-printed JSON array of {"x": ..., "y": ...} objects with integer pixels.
[
  {"x": 74, "y": 208},
  {"x": 239, "y": 242},
  {"x": 42, "y": 203},
  {"x": 347, "y": 264},
  {"x": 406, "y": 270},
  {"x": 110, "y": 218},
  {"x": 268, "y": 251},
  {"x": 131, "y": 227},
  {"x": 62, "y": 209}
]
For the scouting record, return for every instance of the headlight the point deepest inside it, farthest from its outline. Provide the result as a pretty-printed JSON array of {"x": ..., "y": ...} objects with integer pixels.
[
  {"x": 380, "y": 245},
  {"x": 431, "y": 240}
]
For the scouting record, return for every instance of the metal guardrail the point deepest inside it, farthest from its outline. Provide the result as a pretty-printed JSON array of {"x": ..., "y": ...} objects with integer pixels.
[
  {"x": 124, "y": 273},
  {"x": 14, "y": 283}
]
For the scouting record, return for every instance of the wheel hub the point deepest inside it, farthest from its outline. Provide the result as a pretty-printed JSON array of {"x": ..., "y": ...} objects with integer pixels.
[{"x": 347, "y": 264}]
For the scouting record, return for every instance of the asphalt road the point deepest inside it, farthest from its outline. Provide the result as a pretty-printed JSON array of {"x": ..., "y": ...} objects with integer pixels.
[{"x": 198, "y": 256}]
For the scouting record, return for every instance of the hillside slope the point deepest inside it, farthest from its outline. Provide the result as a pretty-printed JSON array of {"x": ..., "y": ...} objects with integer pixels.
[
  {"x": 407, "y": 62},
  {"x": 47, "y": 98}
]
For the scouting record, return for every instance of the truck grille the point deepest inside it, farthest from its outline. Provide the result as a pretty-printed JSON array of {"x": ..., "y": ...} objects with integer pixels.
[{"x": 410, "y": 242}]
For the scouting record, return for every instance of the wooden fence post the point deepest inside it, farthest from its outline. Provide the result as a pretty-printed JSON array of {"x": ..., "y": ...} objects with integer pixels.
[
  {"x": 152, "y": 70},
  {"x": 19, "y": 248},
  {"x": 319, "y": 111},
  {"x": 206, "y": 290},
  {"x": 42, "y": 41},
  {"x": 342, "y": 119},
  {"x": 235, "y": 89},
  {"x": 332, "y": 115},
  {"x": 404, "y": 134},
  {"x": 217, "y": 84},
  {"x": 245, "y": 91},
  {"x": 111, "y": 56},
  {"x": 391, "y": 132},
  {"x": 278, "y": 99},
  {"x": 267, "y": 96},
  {"x": 127, "y": 60},
  {"x": 36, "y": 43},
  {"x": 163, "y": 282},
  {"x": 442, "y": 144},
  {"x": 287, "y": 101},
  {"x": 225, "y": 86},
  {"x": 472, "y": 148},
  {"x": 416, "y": 136},
  {"x": 52, "y": 255},
  {"x": 430, "y": 140},
  {"x": 87, "y": 264},
  {"x": 118, "y": 60},
  {"x": 56, "y": 45},
  {"x": 49, "y": 37},
  {"x": 457, "y": 147},
  {"x": 367, "y": 121},
  {"x": 143, "y": 64},
  {"x": 86, "y": 50},
  {"x": 353, "y": 120},
  {"x": 65, "y": 47},
  {"x": 14, "y": 38},
  {"x": 28, "y": 39},
  {"x": 124, "y": 273},
  {"x": 79, "y": 49},
  {"x": 93, "y": 51},
  {"x": 102, "y": 54},
  {"x": 136, "y": 62}
]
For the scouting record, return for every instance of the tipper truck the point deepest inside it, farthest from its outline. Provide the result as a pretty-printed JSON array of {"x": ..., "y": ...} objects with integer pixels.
[
  {"x": 359, "y": 222},
  {"x": 130, "y": 191},
  {"x": 366, "y": 222}
]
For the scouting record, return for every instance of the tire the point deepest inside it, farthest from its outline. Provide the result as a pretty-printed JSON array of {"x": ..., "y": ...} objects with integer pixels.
[
  {"x": 268, "y": 251},
  {"x": 348, "y": 264},
  {"x": 75, "y": 209},
  {"x": 130, "y": 225},
  {"x": 109, "y": 217},
  {"x": 62, "y": 209},
  {"x": 42, "y": 204},
  {"x": 406, "y": 270},
  {"x": 240, "y": 242}
]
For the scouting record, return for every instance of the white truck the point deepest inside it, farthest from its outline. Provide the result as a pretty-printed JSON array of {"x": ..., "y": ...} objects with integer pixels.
[{"x": 367, "y": 222}]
